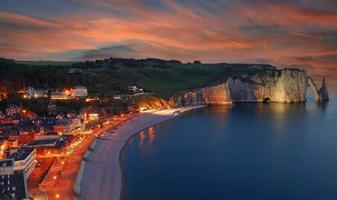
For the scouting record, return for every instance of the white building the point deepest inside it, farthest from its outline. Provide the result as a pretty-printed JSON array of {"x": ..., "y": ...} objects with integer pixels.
[
  {"x": 79, "y": 91},
  {"x": 33, "y": 93},
  {"x": 69, "y": 126},
  {"x": 133, "y": 88},
  {"x": 24, "y": 159},
  {"x": 74, "y": 70},
  {"x": 12, "y": 110}
]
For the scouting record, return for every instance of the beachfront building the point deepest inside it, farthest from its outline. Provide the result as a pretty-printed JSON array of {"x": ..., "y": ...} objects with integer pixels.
[
  {"x": 50, "y": 145},
  {"x": 24, "y": 160},
  {"x": 13, "y": 184},
  {"x": 69, "y": 126}
]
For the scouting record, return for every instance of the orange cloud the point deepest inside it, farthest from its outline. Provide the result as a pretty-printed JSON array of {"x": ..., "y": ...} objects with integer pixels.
[{"x": 251, "y": 32}]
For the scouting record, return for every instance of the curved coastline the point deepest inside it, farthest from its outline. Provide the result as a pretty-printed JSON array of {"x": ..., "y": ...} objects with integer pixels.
[{"x": 102, "y": 174}]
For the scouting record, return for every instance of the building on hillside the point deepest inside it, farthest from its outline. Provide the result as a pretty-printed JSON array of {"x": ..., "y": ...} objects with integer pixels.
[
  {"x": 79, "y": 92},
  {"x": 13, "y": 184},
  {"x": 33, "y": 93},
  {"x": 3, "y": 93},
  {"x": 51, "y": 109},
  {"x": 71, "y": 93},
  {"x": 13, "y": 110},
  {"x": 59, "y": 94},
  {"x": 74, "y": 71},
  {"x": 133, "y": 88},
  {"x": 24, "y": 159}
]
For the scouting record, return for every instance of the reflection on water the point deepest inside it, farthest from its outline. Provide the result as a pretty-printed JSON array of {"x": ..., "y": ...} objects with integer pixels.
[
  {"x": 142, "y": 137},
  {"x": 151, "y": 135},
  {"x": 147, "y": 136},
  {"x": 248, "y": 151}
]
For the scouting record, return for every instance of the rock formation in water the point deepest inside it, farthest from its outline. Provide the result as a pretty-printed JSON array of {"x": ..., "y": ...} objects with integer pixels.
[
  {"x": 323, "y": 91},
  {"x": 267, "y": 85},
  {"x": 322, "y": 94}
]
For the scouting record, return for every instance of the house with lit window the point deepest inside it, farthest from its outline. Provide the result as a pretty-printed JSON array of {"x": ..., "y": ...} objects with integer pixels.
[{"x": 13, "y": 110}]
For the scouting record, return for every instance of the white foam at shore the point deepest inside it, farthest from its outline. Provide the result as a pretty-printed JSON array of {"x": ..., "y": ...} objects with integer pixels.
[{"x": 101, "y": 174}]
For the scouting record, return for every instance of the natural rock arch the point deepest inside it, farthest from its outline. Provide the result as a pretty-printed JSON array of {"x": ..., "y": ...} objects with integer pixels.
[{"x": 266, "y": 100}]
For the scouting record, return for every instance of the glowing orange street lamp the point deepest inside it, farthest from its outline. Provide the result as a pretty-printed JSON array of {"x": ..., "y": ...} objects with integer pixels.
[
  {"x": 54, "y": 177},
  {"x": 57, "y": 196}
]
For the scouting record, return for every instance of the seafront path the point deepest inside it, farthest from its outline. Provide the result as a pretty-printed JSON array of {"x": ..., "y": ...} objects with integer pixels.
[
  {"x": 101, "y": 177},
  {"x": 60, "y": 180}
]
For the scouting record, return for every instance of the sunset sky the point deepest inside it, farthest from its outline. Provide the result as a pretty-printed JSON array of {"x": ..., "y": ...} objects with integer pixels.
[{"x": 280, "y": 32}]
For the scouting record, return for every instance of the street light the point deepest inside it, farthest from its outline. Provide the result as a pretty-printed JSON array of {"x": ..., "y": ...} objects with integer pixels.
[
  {"x": 57, "y": 196},
  {"x": 54, "y": 177}
]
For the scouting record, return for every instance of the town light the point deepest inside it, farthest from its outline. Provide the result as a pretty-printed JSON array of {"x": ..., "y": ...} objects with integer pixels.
[
  {"x": 57, "y": 196},
  {"x": 54, "y": 177}
]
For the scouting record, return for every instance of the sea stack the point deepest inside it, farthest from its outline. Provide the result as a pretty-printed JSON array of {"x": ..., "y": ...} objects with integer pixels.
[{"x": 323, "y": 91}]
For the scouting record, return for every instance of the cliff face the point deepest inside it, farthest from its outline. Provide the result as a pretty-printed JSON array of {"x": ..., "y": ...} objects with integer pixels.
[{"x": 287, "y": 85}]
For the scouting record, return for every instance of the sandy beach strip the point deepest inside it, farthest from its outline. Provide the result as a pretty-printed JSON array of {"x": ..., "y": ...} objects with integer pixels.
[{"x": 101, "y": 177}]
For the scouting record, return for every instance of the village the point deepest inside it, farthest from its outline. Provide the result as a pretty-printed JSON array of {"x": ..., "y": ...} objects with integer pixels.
[{"x": 35, "y": 148}]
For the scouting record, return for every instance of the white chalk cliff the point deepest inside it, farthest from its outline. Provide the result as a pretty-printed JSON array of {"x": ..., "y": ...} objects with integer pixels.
[{"x": 269, "y": 85}]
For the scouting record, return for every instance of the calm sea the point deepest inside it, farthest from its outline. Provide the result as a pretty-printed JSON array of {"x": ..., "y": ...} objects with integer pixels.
[{"x": 247, "y": 152}]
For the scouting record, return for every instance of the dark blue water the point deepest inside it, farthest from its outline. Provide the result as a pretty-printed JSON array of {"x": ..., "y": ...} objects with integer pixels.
[{"x": 248, "y": 152}]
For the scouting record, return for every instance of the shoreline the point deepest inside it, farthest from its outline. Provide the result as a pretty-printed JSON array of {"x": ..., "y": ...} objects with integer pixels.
[{"x": 102, "y": 170}]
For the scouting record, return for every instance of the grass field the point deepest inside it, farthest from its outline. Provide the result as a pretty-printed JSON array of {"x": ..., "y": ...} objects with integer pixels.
[
  {"x": 46, "y": 63},
  {"x": 104, "y": 76}
]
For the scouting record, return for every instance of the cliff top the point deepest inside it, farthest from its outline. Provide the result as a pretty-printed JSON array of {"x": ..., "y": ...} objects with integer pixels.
[{"x": 164, "y": 77}]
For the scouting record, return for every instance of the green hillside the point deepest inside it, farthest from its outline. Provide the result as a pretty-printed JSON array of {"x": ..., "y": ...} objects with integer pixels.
[{"x": 104, "y": 76}]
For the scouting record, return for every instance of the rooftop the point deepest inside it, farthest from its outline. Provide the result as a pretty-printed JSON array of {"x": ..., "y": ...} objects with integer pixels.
[
  {"x": 42, "y": 142},
  {"x": 6, "y": 163},
  {"x": 57, "y": 142},
  {"x": 22, "y": 153}
]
